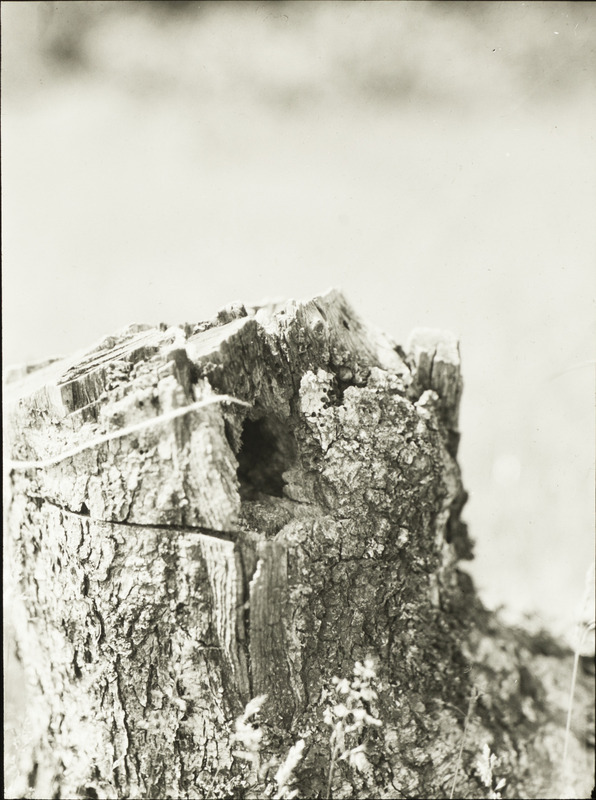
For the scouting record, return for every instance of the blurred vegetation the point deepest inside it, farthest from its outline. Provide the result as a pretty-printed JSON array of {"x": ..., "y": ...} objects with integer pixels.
[{"x": 435, "y": 51}]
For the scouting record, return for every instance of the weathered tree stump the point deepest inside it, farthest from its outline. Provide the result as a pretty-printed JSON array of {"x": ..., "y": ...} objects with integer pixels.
[{"x": 201, "y": 515}]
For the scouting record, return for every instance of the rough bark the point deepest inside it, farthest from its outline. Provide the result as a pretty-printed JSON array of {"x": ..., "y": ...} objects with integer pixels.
[{"x": 176, "y": 553}]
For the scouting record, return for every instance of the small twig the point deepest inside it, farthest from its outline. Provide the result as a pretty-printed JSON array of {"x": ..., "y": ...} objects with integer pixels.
[
  {"x": 334, "y": 754},
  {"x": 108, "y": 437},
  {"x": 586, "y": 629}
]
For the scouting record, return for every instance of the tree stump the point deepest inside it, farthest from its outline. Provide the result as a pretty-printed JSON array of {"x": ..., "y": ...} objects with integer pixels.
[{"x": 205, "y": 514}]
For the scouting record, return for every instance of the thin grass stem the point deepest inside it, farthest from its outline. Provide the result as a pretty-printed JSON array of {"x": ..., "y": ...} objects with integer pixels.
[{"x": 473, "y": 697}]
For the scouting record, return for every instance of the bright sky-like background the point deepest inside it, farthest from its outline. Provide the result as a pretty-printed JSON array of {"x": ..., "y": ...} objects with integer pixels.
[{"x": 435, "y": 160}]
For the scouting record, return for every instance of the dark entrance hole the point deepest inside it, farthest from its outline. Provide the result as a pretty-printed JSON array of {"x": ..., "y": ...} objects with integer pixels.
[{"x": 267, "y": 450}]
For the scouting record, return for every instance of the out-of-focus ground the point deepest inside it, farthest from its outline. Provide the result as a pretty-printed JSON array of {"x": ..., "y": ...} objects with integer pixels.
[{"x": 436, "y": 160}]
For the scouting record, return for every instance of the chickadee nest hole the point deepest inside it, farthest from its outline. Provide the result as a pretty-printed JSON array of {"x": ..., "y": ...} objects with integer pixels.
[{"x": 267, "y": 451}]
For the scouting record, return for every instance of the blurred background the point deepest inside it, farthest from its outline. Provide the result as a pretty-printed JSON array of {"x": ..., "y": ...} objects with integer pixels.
[{"x": 436, "y": 160}]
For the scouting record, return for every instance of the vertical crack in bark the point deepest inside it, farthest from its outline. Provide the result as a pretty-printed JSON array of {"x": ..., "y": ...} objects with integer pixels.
[
  {"x": 226, "y": 581},
  {"x": 246, "y": 566},
  {"x": 271, "y": 671},
  {"x": 123, "y": 758}
]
